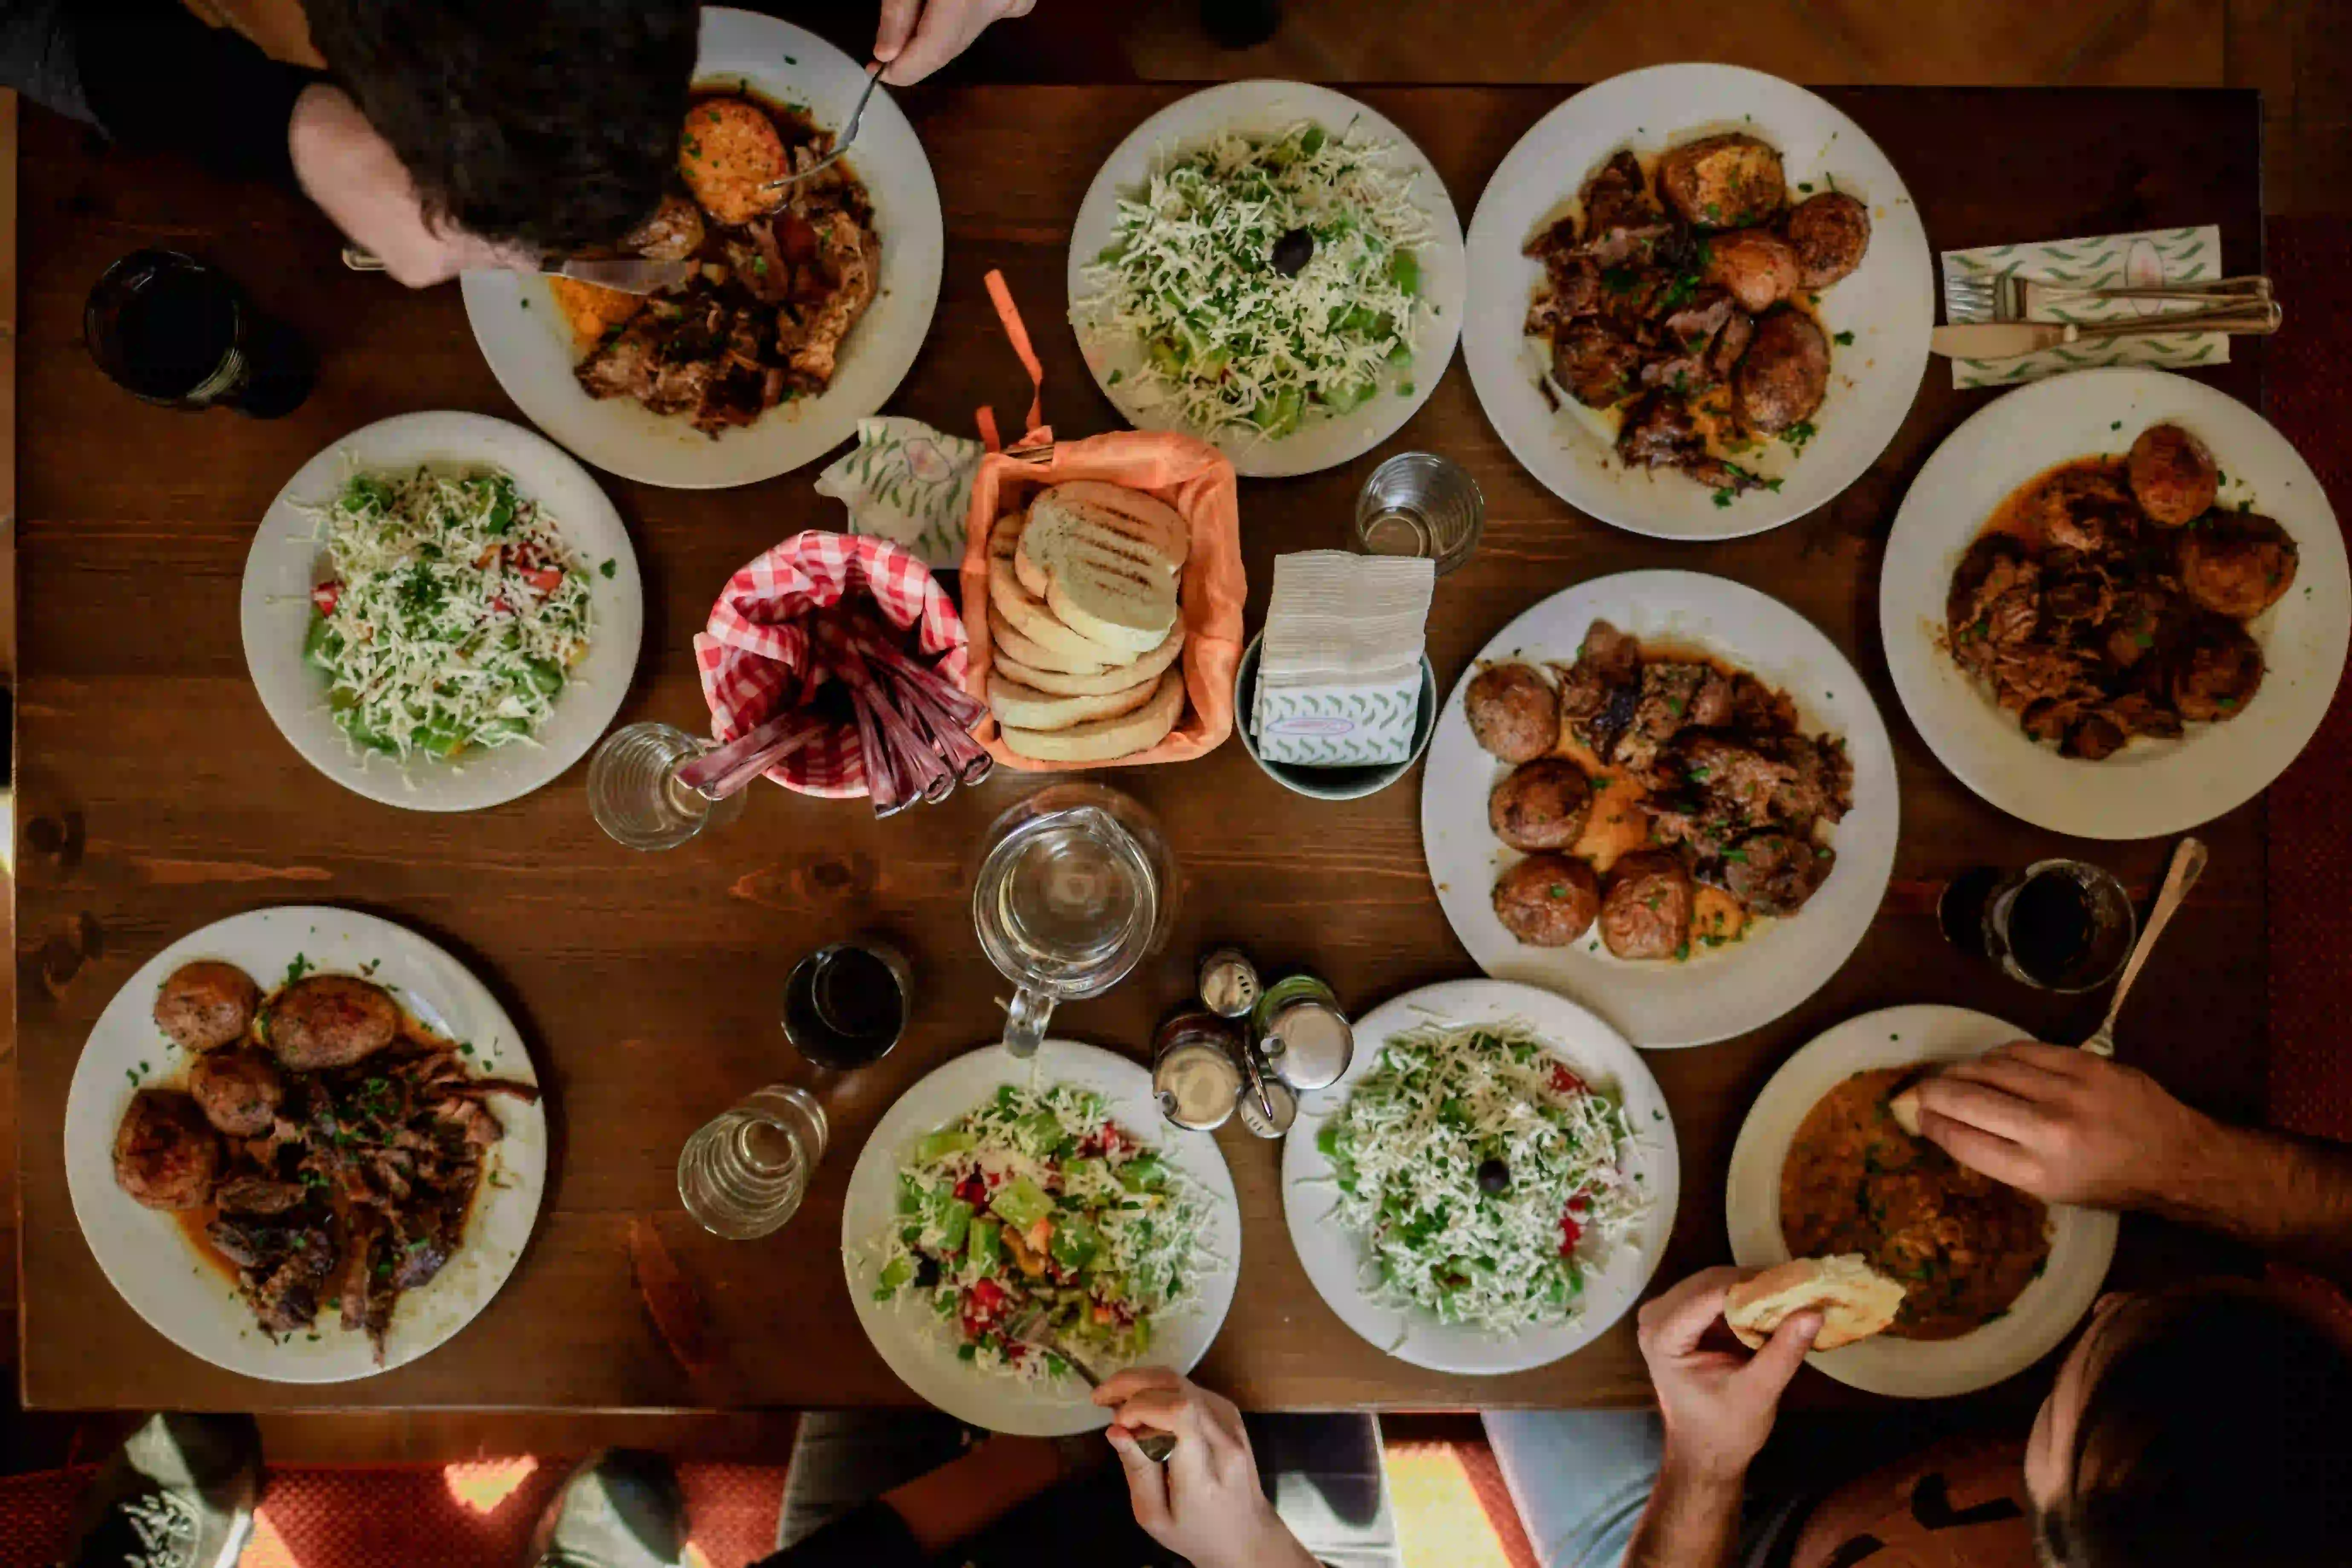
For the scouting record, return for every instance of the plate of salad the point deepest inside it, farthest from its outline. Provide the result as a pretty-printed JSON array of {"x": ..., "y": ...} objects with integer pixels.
[
  {"x": 1272, "y": 267},
  {"x": 999, "y": 1196},
  {"x": 442, "y": 611},
  {"x": 1491, "y": 1185}
]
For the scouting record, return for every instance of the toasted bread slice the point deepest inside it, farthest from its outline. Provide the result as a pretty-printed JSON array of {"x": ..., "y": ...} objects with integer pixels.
[
  {"x": 1109, "y": 572},
  {"x": 1026, "y": 708},
  {"x": 1106, "y": 739},
  {"x": 1012, "y": 647},
  {"x": 1854, "y": 1300},
  {"x": 1088, "y": 683},
  {"x": 1030, "y": 615}
]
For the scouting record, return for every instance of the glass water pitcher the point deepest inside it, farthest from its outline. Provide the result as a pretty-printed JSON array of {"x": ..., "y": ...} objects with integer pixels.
[{"x": 1076, "y": 885}]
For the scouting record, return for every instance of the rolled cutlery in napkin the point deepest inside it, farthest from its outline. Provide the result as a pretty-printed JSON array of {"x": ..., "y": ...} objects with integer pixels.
[
  {"x": 1338, "y": 681},
  {"x": 2102, "y": 261}
]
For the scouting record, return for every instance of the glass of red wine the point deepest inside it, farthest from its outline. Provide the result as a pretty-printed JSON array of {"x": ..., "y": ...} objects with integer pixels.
[
  {"x": 180, "y": 333},
  {"x": 846, "y": 1005}
]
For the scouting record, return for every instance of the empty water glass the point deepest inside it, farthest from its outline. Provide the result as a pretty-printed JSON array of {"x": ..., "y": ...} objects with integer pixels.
[
  {"x": 743, "y": 1175},
  {"x": 633, "y": 788},
  {"x": 1418, "y": 503}
]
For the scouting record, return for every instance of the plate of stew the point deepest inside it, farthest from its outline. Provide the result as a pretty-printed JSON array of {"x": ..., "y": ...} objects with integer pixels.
[{"x": 1994, "y": 1279}]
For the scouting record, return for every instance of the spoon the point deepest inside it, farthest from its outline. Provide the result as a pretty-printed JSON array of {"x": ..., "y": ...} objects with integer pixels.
[
  {"x": 2187, "y": 865},
  {"x": 840, "y": 143}
]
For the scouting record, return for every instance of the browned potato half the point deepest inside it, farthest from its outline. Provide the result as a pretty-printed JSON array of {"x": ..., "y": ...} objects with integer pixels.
[
  {"x": 729, "y": 149},
  {"x": 1784, "y": 374},
  {"x": 2173, "y": 476},
  {"x": 1757, "y": 267},
  {"x": 1724, "y": 182},
  {"x": 1830, "y": 232}
]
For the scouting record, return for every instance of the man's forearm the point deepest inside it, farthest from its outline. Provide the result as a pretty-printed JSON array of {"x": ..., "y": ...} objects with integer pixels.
[
  {"x": 1692, "y": 1519},
  {"x": 2289, "y": 1196}
]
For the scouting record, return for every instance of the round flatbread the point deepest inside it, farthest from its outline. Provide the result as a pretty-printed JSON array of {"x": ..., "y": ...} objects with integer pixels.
[
  {"x": 1106, "y": 739},
  {"x": 1029, "y": 615},
  {"x": 1088, "y": 683},
  {"x": 1026, "y": 708},
  {"x": 1012, "y": 648}
]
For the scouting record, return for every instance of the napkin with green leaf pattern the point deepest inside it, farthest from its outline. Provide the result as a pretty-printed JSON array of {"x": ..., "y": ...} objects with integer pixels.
[{"x": 2106, "y": 262}]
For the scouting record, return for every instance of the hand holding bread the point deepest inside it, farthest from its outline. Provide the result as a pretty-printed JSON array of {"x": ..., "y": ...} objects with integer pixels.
[{"x": 1718, "y": 1401}]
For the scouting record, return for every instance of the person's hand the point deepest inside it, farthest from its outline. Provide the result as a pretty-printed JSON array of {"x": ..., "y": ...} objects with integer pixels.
[
  {"x": 2066, "y": 1126},
  {"x": 1205, "y": 1503},
  {"x": 916, "y": 39},
  {"x": 360, "y": 182},
  {"x": 1717, "y": 1403}
]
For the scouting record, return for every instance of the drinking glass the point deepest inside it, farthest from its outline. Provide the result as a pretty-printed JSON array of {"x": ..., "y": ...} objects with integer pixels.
[
  {"x": 846, "y": 1005},
  {"x": 1418, "y": 503},
  {"x": 2065, "y": 926},
  {"x": 633, "y": 788},
  {"x": 172, "y": 330},
  {"x": 1076, "y": 885},
  {"x": 743, "y": 1175}
]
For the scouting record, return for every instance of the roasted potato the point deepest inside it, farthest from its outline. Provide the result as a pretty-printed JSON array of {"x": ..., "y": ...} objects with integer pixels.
[
  {"x": 1830, "y": 232},
  {"x": 1724, "y": 182},
  {"x": 1784, "y": 374},
  {"x": 729, "y": 149},
  {"x": 2173, "y": 476},
  {"x": 1757, "y": 268}
]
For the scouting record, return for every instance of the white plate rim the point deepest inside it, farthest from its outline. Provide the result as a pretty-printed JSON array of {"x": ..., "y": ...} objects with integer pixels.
[
  {"x": 1261, "y": 105},
  {"x": 2045, "y": 1313},
  {"x": 1543, "y": 172},
  {"x": 284, "y": 562},
  {"x": 1719, "y": 992},
  {"x": 2152, "y": 789},
  {"x": 1330, "y": 1255},
  {"x": 141, "y": 1252},
  {"x": 924, "y": 1363},
  {"x": 529, "y": 351}
]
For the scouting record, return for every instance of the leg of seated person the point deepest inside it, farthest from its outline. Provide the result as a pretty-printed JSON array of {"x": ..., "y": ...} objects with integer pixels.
[{"x": 1580, "y": 1478}]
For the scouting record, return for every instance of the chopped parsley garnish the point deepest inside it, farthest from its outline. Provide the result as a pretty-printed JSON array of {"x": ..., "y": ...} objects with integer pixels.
[{"x": 1843, "y": 339}]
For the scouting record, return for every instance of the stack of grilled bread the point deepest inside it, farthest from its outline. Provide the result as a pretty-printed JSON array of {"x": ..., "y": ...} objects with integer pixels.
[{"x": 1084, "y": 624}]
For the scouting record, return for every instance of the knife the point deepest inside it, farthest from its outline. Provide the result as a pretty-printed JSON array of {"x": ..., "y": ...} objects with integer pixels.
[
  {"x": 627, "y": 275},
  {"x": 2007, "y": 340}
]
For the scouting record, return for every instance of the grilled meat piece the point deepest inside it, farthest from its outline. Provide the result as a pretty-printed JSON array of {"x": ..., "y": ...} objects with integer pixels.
[
  {"x": 1546, "y": 900},
  {"x": 207, "y": 1005},
  {"x": 1617, "y": 197},
  {"x": 331, "y": 1021},
  {"x": 1600, "y": 367},
  {"x": 1672, "y": 693},
  {"x": 673, "y": 233},
  {"x": 1571, "y": 289},
  {"x": 166, "y": 1155},
  {"x": 1774, "y": 873},
  {"x": 1542, "y": 805},
  {"x": 1658, "y": 434},
  {"x": 1830, "y": 232},
  {"x": 1600, "y": 692},
  {"x": 259, "y": 1195}
]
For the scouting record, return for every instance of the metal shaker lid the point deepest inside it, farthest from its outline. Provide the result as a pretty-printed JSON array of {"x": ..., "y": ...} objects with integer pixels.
[
  {"x": 1196, "y": 1082},
  {"x": 1280, "y": 1097},
  {"x": 1229, "y": 985},
  {"x": 1309, "y": 1045}
]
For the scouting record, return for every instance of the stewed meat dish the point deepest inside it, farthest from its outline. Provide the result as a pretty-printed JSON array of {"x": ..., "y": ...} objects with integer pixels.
[
  {"x": 2099, "y": 609},
  {"x": 329, "y": 1156},
  {"x": 1688, "y": 311},
  {"x": 1681, "y": 791},
  {"x": 782, "y": 278},
  {"x": 1963, "y": 1245}
]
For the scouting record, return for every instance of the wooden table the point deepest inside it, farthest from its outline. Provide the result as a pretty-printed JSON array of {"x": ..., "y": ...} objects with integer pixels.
[{"x": 155, "y": 796}]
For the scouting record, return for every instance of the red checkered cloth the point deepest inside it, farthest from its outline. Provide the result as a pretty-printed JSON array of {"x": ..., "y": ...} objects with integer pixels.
[{"x": 752, "y": 654}]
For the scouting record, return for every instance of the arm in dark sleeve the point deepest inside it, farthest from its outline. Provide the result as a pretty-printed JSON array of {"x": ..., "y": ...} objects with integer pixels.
[
  {"x": 873, "y": 1536},
  {"x": 156, "y": 77}
]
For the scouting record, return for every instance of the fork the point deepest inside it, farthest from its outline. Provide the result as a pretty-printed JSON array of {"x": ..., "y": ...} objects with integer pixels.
[
  {"x": 2187, "y": 865},
  {"x": 2015, "y": 296},
  {"x": 1038, "y": 1332},
  {"x": 840, "y": 143}
]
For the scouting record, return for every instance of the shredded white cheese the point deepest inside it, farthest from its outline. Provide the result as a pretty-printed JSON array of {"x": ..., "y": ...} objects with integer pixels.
[{"x": 1234, "y": 341}]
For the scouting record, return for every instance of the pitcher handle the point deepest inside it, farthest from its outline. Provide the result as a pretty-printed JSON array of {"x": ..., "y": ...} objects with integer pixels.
[{"x": 1025, "y": 1021}]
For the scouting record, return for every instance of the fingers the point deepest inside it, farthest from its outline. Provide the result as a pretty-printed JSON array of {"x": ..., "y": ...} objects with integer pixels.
[
  {"x": 2017, "y": 1075},
  {"x": 898, "y": 25},
  {"x": 1996, "y": 1110},
  {"x": 2066, "y": 1061},
  {"x": 1675, "y": 1322},
  {"x": 1122, "y": 1386},
  {"x": 2002, "y": 1159},
  {"x": 1783, "y": 1353},
  {"x": 1165, "y": 1410},
  {"x": 1147, "y": 1483}
]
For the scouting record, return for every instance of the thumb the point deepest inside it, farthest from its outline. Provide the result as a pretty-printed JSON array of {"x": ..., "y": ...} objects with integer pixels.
[
  {"x": 1147, "y": 1483},
  {"x": 1784, "y": 1353},
  {"x": 896, "y": 26}
]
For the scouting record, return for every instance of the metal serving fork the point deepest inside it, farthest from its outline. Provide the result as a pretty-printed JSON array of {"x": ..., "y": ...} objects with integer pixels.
[
  {"x": 1036, "y": 1331},
  {"x": 2015, "y": 296},
  {"x": 2187, "y": 865},
  {"x": 840, "y": 143}
]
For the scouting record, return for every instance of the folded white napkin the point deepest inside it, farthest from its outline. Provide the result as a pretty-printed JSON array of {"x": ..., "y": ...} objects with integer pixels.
[{"x": 1339, "y": 676}]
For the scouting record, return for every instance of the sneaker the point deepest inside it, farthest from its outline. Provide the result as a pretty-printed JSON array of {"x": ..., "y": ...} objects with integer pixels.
[
  {"x": 178, "y": 1494},
  {"x": 618, "y": 1509}
]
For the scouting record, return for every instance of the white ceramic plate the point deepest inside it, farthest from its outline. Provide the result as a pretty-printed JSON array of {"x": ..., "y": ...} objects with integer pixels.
[
  {"x": 1334, "y": 1257},
  {"x": 1888, "y": 303},
  {"x": 182, "y": 1295},
  {"x": 288, "y": 559},
  {"x": 2082, "y": 1241},
  {"x": 1719, "y": 991},
  {"x": 2151, "y": 788},
  {"x": 1268, "y": 108},
  {"x": 904, "y": 1331},
  {"x": 528, "y": 347}
]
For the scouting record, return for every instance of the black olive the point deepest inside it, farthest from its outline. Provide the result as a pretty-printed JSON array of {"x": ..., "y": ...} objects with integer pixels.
[
  {"x": 1293, "y": 251},
  {"x": 926, "y": 1271},
  {"x": 1494, "y": 1176}
]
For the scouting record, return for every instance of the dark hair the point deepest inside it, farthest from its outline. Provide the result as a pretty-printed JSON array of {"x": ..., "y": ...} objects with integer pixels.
[
  {"x": 549, "y": 123},
  {"x": 2220, "y": 1430}
]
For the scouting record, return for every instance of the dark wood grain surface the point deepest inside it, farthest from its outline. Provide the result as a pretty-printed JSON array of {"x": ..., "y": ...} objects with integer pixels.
[{"x": 155, "y": 796}]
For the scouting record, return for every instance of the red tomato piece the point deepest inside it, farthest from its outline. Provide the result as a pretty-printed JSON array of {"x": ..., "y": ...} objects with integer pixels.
[
  {"x": 546, "y": 579},
  {"x": 1564, "y": 1082},
  {"x": 326, "y": 596}
]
